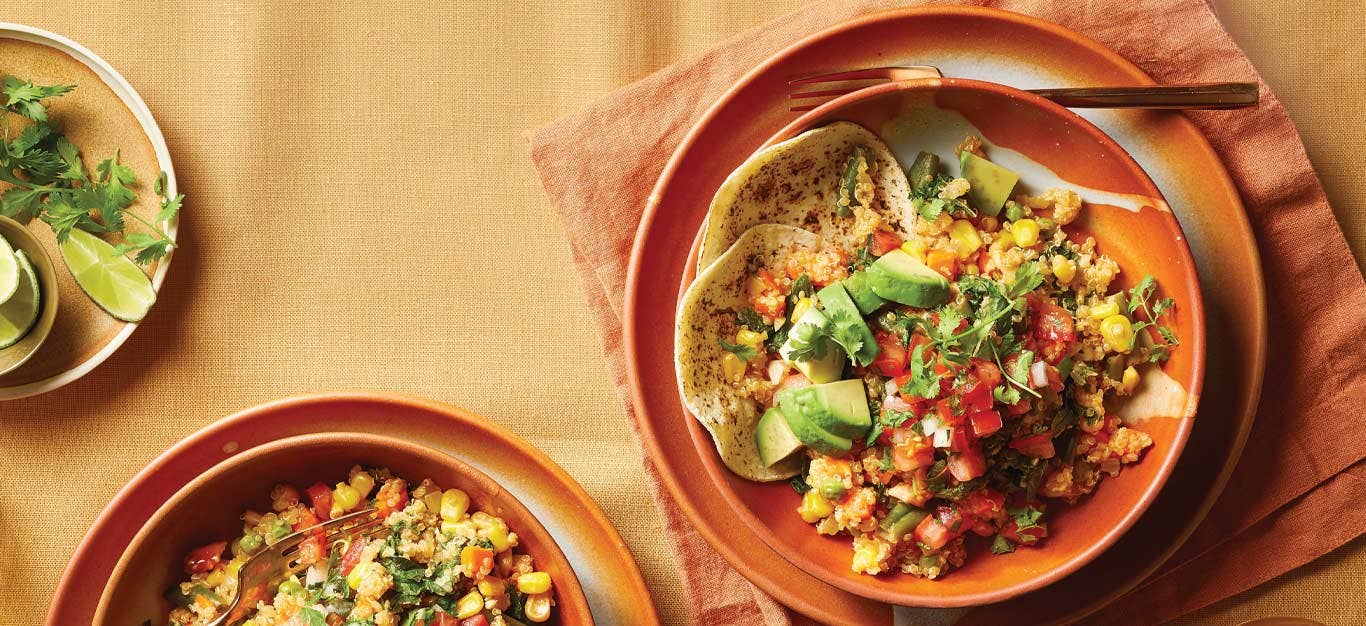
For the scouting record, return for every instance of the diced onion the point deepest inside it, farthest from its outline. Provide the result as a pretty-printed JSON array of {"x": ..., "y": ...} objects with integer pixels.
[
  {"x": 941, "y": 437},
  {"x": 891, "y": 387},
  {"x": 777, "y": 369},
  {"x": 895, "y": 403},
  {"x": 1038, "y": 375},
  {"x": 931, "y": 425},
  {"x": 315, "y": 575}
]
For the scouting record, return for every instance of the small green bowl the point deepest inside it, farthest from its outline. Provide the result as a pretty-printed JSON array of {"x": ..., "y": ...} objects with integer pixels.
[{"x": 20, "y": 238}]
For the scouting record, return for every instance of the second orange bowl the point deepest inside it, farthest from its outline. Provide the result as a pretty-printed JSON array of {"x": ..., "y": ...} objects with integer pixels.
[{"x": 207, "y": 509}]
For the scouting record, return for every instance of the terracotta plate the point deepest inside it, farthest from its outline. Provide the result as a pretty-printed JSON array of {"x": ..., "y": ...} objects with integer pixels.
[
  {"x": 101, "y": 115},
  {"x": 1003, "y": 48},
  {"x": 609, "y": 576}
]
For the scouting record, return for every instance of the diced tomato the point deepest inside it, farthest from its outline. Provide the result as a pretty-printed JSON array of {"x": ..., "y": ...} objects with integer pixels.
[
  {"x": 205, "y": 558},
  {"x": 968, "y": 464},
  {"x": 884, "y": 241},
  {"x": 767, "y": 295},
  {"x": 792, "y": 381},
  {"x": 1053, "y": 376},
  {"x": 944, "y": 262},
  {"x": 1019, "y": 408},
  {"x": 891, "y": 355},
  {"x": 352, "y": 556},
  {"x": 933, "y": 533},
  {"x": 1039, "y": 446},
  {"x": 985, "y": 422},
  {"x": 976, "y": 396},
  {"x": 909, "y": 450},
  {"x": 944, "y": 410},
  {"x": 987, "y": 372},
  {"x": 986, "y": 506},
  {"x": 1053, "y": 329},
  {"x": 393, "y": 496},
  {"x": 320, "y": 499},
  {"x": 959, "y": 439},
  {"x": 477, "y": 620}
]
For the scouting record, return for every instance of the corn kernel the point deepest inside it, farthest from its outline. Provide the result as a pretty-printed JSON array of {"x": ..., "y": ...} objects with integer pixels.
[
  {"x": 814, "y": 507},
  {"x": 537, "y": 607},
  {"x": 235, "y": 565},
  {"x": 363, "y": 482},
  {"x": 1064, "y": 269},
  {"x": 215, "y": 578},
  {"x": 492, "y": 587},
  {"x": 1103, "y": 310},
  {"x": 800, "y": 308},
  {"x": 357, "y": 574},
  {"x": 454, "y": 505},
  {"x": 1003, "y": 241},
  {"x": 1129, "y": 382},
  {"x": 865, "y": 558},
  {"x": 500, "y": 538},
  {"x": 1025, "y": 232},
  {"x": 469, "y": 605},
  {"x": 747, "y": 337},
  {"x": 535, "y": 582},
  {"x": 345, "y": 496},
  {"x": 1118, "y": 333},
  {"x": 732, "y": 366},
  {"x": 965, "y": 239},
  {"x": 916, "y": 248}
]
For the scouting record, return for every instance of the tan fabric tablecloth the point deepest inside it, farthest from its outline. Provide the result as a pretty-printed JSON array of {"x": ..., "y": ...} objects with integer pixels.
[{"x": 363, "y": 214}]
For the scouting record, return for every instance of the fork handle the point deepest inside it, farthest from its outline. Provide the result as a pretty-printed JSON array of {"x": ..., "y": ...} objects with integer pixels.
[{"x": 1195, "y": 96}]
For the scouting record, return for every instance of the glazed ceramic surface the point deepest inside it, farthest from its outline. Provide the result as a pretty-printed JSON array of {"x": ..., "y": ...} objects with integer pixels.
[
  {"x": 1021, "y": 52},
  {"x": 103, "y": 114},
  {"x": 611, "y": 581},
  {"x": 209, "y": 509}
]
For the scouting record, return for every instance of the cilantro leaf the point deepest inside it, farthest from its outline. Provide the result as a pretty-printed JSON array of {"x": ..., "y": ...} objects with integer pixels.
[
  {"x": 863, "y": 257},
  {"x": 807, "y": 342},
  {"x": 1025, "y": 517},
  {"x": 743, "y": 351},
  {"x": 751, "y": 318},
  {"x": 1027, "y": 279},
  {"x": 924, "y": 381},
  {"x": 1006, "y": 394},
  {"x": 24, "y": 97},
  {"x": 311, "y": 616},
  {"x": 847, "y": 331},
  {"x": 1001, "y": 545},
  {"x": 21, "y": 203},
  {"x": 799, "y": 484}
]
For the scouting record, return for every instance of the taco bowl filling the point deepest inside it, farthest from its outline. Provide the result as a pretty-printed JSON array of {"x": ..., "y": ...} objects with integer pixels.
[
  {"x": 930, "y": 385},
  {"x": 436, "y": 562}
]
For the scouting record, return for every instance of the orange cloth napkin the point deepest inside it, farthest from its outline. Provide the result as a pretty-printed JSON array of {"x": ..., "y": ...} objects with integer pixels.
[{"x": 1295, "y": 494}]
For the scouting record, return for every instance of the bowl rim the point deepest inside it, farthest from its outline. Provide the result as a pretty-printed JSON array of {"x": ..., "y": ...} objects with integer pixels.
[
  {"x": 718, "y": 474},
  {"x": 131, "y": 99},
  {"x": 566, "y": 591},
  {"x": 49, "y": 302}
]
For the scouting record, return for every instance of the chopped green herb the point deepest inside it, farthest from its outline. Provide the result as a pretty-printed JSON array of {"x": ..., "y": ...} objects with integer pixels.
[{"x": 743, "y": 351}]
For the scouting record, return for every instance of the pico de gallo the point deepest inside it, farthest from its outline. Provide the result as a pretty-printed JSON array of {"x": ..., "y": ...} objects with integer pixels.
[
  {"x": 438, "y": 564},
  {"x": 949, "y": 384}
]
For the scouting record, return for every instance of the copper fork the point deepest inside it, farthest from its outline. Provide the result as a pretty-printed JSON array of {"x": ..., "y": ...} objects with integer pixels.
[
  {"x": 810, "y": 92},
  {"x": 269, "y": 567}
]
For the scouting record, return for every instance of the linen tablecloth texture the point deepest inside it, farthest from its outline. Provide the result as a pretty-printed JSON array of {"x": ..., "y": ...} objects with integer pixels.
[{"x": 1297, "y": 494}]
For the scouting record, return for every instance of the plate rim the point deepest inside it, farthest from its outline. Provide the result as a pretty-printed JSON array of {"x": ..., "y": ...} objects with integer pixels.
[
  {"x": 131, "y": 99},
  {"x": 631, "y": 296},
  {"x": 177, "y": 450}
]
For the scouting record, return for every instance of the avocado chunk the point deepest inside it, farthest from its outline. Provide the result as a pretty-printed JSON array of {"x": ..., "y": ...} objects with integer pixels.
[
  {"x": 826, "y": 368},
  {"x": 899, "y": 277},
  {"x": 816, "y": 438},
  {"x": 848, "y": 323},
  {"x": 990, "y": 183},
  {"x": 839, "y": 408},
  {"x": 775, "y": 438},
  {"x": 864, "y": 298}
]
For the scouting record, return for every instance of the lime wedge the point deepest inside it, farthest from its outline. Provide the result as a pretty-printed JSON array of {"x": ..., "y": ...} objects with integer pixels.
[
  {"x": 9, "y": 271},
  {"x": 112, "y": 280},
  {"x": 20, "y": 312}
]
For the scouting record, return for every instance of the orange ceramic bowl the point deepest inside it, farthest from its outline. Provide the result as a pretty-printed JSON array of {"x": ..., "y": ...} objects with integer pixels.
[
  {"x": 207, "y": 509},
  {"x": 1126, "y": 214}
]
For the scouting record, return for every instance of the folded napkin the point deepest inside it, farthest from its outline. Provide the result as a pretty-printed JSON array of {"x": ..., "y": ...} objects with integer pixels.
[{"x": 1295, "y": 494}]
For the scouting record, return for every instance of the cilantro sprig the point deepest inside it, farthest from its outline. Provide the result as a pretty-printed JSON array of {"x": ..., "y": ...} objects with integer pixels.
[
  {"x": 1144, "y": 296},
  {"x": 738, "y": 349},
  {"x": 49, "y": 180}
]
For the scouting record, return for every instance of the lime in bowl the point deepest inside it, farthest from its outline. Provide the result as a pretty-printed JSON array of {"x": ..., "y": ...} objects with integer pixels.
[{"x": 28, "y": 294}]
